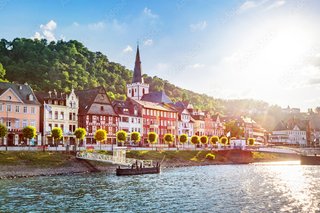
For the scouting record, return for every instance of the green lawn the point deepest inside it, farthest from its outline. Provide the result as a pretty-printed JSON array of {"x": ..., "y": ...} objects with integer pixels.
[{"x": 36, "y": 159}]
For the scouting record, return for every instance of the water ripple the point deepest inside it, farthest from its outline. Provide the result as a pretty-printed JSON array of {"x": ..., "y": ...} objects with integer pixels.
[{"x": 227, "y": 188}]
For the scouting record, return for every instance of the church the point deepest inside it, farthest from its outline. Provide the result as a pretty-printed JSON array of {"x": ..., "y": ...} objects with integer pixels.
[{"x": 146, "y": 111}]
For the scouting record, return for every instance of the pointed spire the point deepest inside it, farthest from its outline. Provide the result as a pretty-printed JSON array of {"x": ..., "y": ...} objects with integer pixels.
[{"x": 137, "y": 75}]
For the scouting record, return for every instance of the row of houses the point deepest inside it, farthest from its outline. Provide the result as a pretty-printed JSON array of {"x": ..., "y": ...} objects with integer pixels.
[{"x": 143, "y": 111}]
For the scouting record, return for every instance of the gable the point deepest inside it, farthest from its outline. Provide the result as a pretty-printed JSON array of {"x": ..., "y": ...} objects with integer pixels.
[
  {"x": 296, "y": 128},
  {"x": 102, "y": 98},
  {"x": 10, "y": 95}
]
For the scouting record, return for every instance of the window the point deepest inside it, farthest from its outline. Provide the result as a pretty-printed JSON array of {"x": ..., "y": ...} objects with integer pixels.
[
  {"x": 50, "y": 127},
  {"x": 70, "y": 116},
  {"x": 8, "y": 108},
  {"x": 125, "y": 119},
  {"x": 61, "y": 115},
  {"x": 101, "y": 108},
  {"x": 17, "y": 108},
  {"x": 25, "y": 109},
  {"x": 1, "y": 107},
  {"x": 74, "y": 116},
  {"x": 33, "y": 110},
  {"x": 50, "y": 115},
  {"x": 9, "y": 98},
  {"x": 62, "y": 127},
  {"x": 56, "y": 114},
  {"x": 30, "y": 97},
  {"x": 32, "y": 123},
  {"x": 17, "y": 124},
  {"x": 24, "y": 123}
]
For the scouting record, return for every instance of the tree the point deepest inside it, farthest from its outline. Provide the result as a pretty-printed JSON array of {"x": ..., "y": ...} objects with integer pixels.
[
  {"x": 135, "y": 137},
  {"x": 80, "y": 134},
  {"x": 168, "y": 138},
  {"x": 56, "y": 134},
  {"x": 121, "y": 136},
  {"x": 214, "y": 140},
  {"x": 152, "y": 137},
  {"x": 2, "y": 72},
  {"x": 183, "y": 138},
  {"x": 224, "y": 140},
  {"x": 100, "y": 135},
  {"x": 204, "y": 139},
  {"x": 234, "y": 129},
  {"x": 195, "y": 140},
  {"x": 3, "y": 133},
  {"x": 251, "y": 141},
  {"x": 29, "y": 132}
]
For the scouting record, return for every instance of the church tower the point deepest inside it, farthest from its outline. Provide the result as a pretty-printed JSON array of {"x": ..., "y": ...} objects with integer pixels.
[{"x": 137, "y": 88}]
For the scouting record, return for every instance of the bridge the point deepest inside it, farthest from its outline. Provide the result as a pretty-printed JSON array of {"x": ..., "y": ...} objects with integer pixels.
[{"x": 118, "y": 157}]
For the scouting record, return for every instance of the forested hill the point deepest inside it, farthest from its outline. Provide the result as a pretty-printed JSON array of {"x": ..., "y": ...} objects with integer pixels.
[{"x": 62, "y": 65}]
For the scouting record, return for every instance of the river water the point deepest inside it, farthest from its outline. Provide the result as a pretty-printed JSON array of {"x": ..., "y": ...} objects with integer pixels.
[{"x": 222, "y": 188}]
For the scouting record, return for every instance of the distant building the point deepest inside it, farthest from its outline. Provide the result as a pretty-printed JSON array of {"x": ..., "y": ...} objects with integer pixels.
[
  {"x": 292, "y": 132},
  {"x": 19, "y": 108},
  {"x": 199, "y": 121},
  {"x": 58, "y": 110},
  {"x": 130, "y": 118},
  {"x": 289, "y": 110},
  {"x": 213, "y": 125},
  {"x": 96, "y": 112},
  {"x": 185, "y": 121}
]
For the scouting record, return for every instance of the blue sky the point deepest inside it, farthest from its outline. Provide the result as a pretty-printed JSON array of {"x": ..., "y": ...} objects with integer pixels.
[{"x": 262, "y": 49}]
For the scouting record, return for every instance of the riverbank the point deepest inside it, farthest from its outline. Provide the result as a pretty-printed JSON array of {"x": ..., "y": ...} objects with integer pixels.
[{"x": 28, "y": 164}]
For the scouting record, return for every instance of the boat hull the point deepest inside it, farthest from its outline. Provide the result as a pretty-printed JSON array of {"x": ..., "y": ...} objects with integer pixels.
[
  {"x": 137, "y": 171},
  {"x": 309, "y": 160}
]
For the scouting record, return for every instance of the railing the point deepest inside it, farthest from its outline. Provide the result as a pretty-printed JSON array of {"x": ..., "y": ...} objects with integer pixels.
[{"x": 112, "y": 159}]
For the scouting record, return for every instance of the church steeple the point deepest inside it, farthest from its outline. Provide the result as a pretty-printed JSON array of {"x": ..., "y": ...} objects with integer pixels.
[
  {"x": 137, "y": 88},
  {"x": 137, "y": 75}
]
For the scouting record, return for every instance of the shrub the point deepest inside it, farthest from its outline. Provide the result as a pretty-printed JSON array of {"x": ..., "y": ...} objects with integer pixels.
[
  {"x": 183, "y": 138},
  {"x": 224, "y": 140},
  {"x": 214, "y": 140},
  {"x": 195, "y": 139},
  {"x": 210, "y": 156},
  {"x": 121, "y": 136},
  {"x": 251, "y": 141},
  {"x": 204, "y": 139},
  {"x": 168, "y": 138},
  {"x": 135, "y": 137},
  {"x": 152, "y": 137}
]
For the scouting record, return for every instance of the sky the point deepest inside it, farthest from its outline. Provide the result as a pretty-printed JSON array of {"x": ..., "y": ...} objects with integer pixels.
[{"x": 261, "y": 49}]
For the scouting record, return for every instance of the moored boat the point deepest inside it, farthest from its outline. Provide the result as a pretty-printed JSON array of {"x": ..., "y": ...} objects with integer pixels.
[{"x": 138, "y": 170}]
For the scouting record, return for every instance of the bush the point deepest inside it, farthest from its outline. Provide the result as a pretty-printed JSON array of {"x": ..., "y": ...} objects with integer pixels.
[
  {"x": 168, "y": 138},
  {"x": 195, "y": 139},
  {"x": 135, "y": 137},
  {"x": 183, "y": 138},
  {"x": 251, "y": 141},
  {"x": 204, "y": 139},
  {"x": 152, "y": 137},
  {"x": 214, "y": 140},
  {"x": 210, "y": 156},
  {"x": 224, "y": 140}
]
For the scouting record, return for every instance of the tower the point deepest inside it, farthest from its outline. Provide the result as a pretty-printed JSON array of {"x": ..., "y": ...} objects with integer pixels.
[{"x": 137, "y": 88}]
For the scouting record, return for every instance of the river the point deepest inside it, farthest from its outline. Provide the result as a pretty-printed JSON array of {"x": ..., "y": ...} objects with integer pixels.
[{"x": 285, "y": 187}]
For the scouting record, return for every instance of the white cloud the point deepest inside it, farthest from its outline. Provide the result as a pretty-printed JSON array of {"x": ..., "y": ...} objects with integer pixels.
[
  {"x": 198, "y": 26},
  {"x": 97, "y": 26},
  {"x": 197, "y": 66},
  {"x": 247, "y": 5},
  {"x": 149, "y": 13},
  {"x": 128, "y": 49},
  {"x": 276, "y": 4},
  {"x": 46, "y": 31},
  {"x": 148, "y": 42},
  {"x": 76, "y": 24}
]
